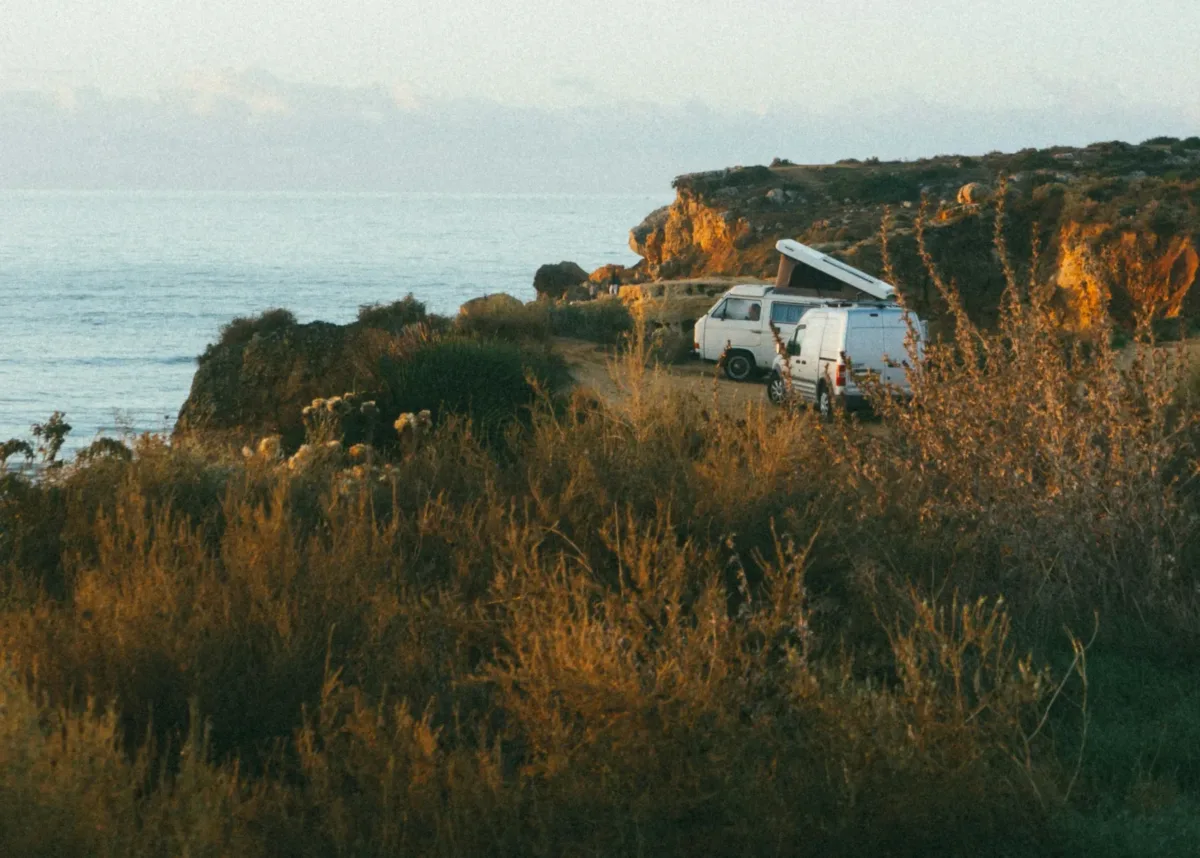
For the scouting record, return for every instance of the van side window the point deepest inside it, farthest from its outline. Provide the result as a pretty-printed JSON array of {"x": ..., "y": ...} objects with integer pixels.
[
  {"x": 719, "y": 310},
  {"x": 786, "y": 314},
  {"x": 741, "y": 310}
]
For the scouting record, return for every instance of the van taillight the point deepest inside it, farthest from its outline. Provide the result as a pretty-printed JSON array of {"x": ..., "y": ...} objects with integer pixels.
[{"x": 840, "y": 378}]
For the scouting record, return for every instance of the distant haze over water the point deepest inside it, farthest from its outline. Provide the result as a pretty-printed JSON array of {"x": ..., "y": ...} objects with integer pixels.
[{"x": 107, "y": 298}]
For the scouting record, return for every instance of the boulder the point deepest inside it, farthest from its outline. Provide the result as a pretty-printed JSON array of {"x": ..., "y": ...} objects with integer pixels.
[
  {"x": 552, "y": 281},
  {"x": 604, "y": 274},
  {"x": 494, "y": 303},
  {"x": 973, "y": 194}
]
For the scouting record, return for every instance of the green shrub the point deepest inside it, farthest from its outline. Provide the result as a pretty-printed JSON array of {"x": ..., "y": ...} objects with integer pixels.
[
  {"x": 486, "y": 382},
  {"x": 605, "y": 320},
  {"x": 393, "y": 317},
  {"x": 13, "y": 447},
  {"x": 242, "y": 329},
  {"x": 105, "y": 448},
  {"x": 503, "y": 317}
]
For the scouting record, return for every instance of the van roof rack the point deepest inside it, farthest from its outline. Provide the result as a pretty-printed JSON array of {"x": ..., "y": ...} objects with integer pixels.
[{"x": 882, "y": 305}]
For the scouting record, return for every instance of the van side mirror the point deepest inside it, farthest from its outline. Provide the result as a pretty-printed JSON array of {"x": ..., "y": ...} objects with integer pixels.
[{"x": 793, "y": 348}]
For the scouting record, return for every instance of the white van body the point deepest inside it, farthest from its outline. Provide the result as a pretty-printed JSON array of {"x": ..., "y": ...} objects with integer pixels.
[
  {"x": 741, "y": 321},
  {"x": 739, "y": 325},
  {"x": 833, "y": 347}
]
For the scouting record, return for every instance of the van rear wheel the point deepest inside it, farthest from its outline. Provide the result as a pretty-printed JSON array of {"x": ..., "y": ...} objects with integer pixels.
[
  {"x": 739, "y": 366},
  {"x": 824, "y": 403}
]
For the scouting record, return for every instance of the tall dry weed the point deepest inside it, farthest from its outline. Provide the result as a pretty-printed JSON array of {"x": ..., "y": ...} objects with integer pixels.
[{"x": 1037, "y": 464}]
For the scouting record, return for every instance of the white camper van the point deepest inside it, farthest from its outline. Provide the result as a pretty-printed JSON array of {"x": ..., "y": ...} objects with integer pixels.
[
  {"x": 739, "y": 325},
  {"x": 833, "y": 348},
  {"x": 740, "y": 322}
]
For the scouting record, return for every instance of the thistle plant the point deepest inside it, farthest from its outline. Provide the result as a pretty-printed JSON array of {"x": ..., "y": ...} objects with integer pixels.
[{"x": 348, "y": 418}]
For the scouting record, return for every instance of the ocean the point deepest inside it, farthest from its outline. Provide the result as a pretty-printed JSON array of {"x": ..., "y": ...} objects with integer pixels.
[{"x": 106, "y": 298}]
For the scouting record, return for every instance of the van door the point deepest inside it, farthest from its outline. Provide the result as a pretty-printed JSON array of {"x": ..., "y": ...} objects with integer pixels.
[
  {"x": 833, "y": 343},
  {"x": 708, "y": 332},
  {"x": 736, "y": 322},
  {"x": 876, "y": 344},
  {"x": 893, "y": 349},
  {"x": 806, "y": 366},
  {"x": 863, "y": 349}
]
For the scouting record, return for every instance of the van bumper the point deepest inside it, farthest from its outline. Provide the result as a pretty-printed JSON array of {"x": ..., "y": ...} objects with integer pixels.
[
  {"x": 858, "y": 403},
  {"x": 855, "y": 402}
]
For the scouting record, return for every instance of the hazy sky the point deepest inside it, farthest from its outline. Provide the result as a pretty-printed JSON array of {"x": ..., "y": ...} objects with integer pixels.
[{"x": 742, "y": 81}]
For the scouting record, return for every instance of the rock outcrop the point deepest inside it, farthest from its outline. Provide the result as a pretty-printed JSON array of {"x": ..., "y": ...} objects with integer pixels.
[
  {"x": 553, "y": 281},
  {"x": 271, "y": 376},
  {"x": 260, "y": 387},
  {"x": 1129, "y": 274},
  {"x": 498, "y": 302},
  {"x": 1118, "y": 225},
  {"x": 973, "y": 194}
]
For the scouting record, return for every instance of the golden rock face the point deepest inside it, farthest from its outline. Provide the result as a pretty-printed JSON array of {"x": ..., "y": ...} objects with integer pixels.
[
  {"x": 1130, "y": 274},
  {"x": 696, "y": 239}
]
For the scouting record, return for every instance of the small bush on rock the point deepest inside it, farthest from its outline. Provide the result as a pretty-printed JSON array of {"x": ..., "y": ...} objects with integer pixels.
[
  {"x": 242, "y": 329},
  {"x": 503, "y": 317},
  {"x": 393, "y": 317}
]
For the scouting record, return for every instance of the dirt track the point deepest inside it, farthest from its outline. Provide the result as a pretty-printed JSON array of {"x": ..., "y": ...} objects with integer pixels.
[{"x": 589, "y": 364}]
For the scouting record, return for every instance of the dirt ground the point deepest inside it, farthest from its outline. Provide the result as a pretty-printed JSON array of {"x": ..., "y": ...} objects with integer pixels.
[{"x": 589, "y": 364}]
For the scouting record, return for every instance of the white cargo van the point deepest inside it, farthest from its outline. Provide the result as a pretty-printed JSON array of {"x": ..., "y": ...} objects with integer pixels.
[
  {"x": 833, "y": 348},
  {"x": 739, "y": 325}
]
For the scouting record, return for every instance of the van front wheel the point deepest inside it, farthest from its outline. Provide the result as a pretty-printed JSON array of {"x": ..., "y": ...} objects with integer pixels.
[
  {"x": 777, "y": 389},
  {"x": 739, "y": 366}
]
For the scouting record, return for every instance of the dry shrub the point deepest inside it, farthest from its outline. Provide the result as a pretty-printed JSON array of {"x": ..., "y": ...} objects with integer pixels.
[
  {"x": 1034, "y": 464},
  {"x": 650, "y": 717},
  {"x": 67, "y": 788}
]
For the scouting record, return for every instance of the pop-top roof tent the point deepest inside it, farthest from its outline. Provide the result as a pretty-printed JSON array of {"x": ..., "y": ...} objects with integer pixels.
[{"x": 805, "y": 271}]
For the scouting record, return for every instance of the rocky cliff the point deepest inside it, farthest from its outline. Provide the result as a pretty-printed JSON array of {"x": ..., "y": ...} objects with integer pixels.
[{"x": 1116, "y": 226}]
